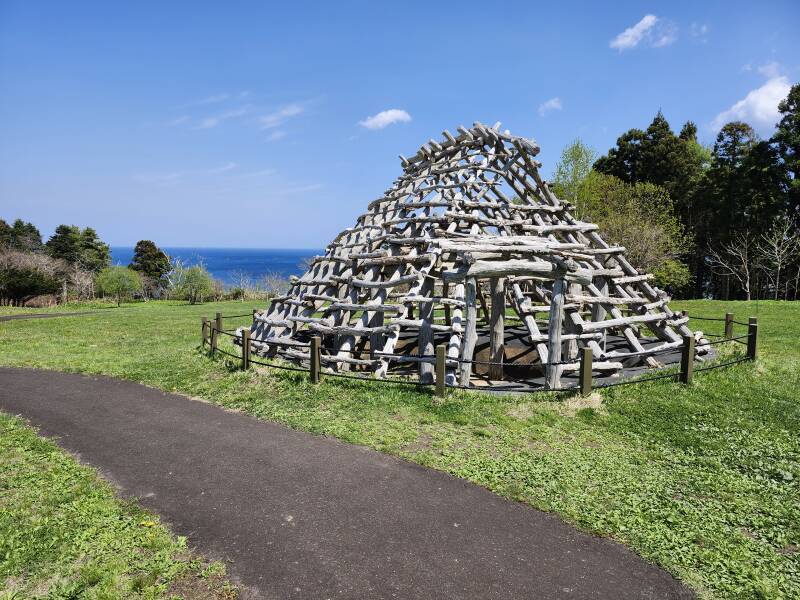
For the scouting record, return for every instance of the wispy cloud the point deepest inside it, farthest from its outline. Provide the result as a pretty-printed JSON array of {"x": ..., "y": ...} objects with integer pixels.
[
  {"x": 179, "y": 121},
  {"x": 215, "y": 120},
  {"x": 699, "y": 30},
  {"x": 300, "y": 189},
  {"x": 276, "y": 135},
  {"x": 386, "y": 118},
  {"x": 650, "y": 29},
  {"x": 280, "y": 116},
  {"x": 162, "y": 179},
  {"x": 224, "y": 168},
  {"x": 760, "y": 106},
  {"x": 550, "y": 106}
]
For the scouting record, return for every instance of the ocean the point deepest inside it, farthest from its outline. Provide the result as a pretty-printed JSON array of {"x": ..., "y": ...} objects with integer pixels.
[{"x": 225, "y": 263}]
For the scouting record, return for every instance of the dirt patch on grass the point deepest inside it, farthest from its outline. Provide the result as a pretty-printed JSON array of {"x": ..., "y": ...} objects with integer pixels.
[
  {"x": 571, "y": 406},
  {"x": 210, "y": 587}
]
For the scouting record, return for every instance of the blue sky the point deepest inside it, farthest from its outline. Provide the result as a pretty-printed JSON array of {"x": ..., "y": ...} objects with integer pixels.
[{"x": 264, "y": 124}]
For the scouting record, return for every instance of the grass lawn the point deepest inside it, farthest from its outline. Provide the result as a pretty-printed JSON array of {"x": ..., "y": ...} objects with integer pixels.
[
  {"x": 702, "y": 480},
  {"x": 64, "y": 534}
]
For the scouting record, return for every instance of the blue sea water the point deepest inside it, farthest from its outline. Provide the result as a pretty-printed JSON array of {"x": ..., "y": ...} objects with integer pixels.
[{"x": 224, "y": 263}]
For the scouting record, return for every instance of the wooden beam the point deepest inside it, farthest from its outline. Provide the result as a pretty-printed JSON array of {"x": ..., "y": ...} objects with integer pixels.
[{"x": 497, "y": 286}]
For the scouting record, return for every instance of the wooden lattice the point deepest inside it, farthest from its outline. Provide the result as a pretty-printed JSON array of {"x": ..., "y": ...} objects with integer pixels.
[{"x": 468, "y": 229}]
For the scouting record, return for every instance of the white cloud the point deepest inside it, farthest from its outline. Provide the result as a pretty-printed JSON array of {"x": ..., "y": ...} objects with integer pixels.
[
  {"x": 211, "y": 122},
  {"x": 698, "y": 30},
  {"x": 549, "y": 106},
  {"x": 652, "y": 30},
  {"x": 760, "y": 106},
  {"x": 276, "y": 135},
  {"x": 385, "y": 118},
  {"x": 224, "y": 168},
  {"x": 277, "y": 118},
  {"x": 178, "y": 121},
  {"x": 770, "y": 70},
  {"x": 631, "y": 37}
]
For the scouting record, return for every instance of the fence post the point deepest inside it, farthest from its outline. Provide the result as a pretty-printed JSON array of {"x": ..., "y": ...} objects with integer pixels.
[
  {"x": 728, "y": 326},
  {"x": 245, "y": 349},
  {"x": 687, "y": 359},
  {"x": 255, "y": 310},
  {"x": 441, "y": 354},
  {"x": 315, "y": 344},
  {"x": 215, "y": 329},
  {"x": 752, "y": 336},
  {"x": 204, "y": 330},
  {"x": 585, "y": 374}
]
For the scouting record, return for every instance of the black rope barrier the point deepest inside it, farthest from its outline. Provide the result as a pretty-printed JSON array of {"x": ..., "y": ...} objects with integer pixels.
[
  {"x": 635, "y": 381},
  {"x": 725, "y": 364},
  {"x": 707, "y": 318},
  {"x": 274, "y": 366}
]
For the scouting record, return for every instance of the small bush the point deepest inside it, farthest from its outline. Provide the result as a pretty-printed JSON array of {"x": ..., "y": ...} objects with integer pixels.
[{"x": 120, "y": 282}]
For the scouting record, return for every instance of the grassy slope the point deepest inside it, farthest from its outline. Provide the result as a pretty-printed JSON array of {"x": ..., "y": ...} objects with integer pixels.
[
  {"x": 63, "y": 533},
  {"x": 701, "y": 480}
]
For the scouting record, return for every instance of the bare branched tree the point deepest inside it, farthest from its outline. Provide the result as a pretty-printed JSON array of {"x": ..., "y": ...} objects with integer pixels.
[
  {"x": 273, "y": 284},
  {"x": 778, "y": 248},
  {"x": 735, "y": 259}
]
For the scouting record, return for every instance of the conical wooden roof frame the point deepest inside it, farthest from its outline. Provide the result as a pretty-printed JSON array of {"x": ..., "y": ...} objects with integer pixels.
[{"x": 467, "y": 209}]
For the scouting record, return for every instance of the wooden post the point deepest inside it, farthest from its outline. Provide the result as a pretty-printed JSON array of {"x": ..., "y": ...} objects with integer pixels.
[
  {"x": 441, "y": 354},
  {"x": 687, "y": 359},
  {"x": 204, "y": 329},
  {"x": 555, "y": 323},
  {"x": 497, "y": 287},
  {"x": 255, "y": 310},
  {"x": 245, "y": 349},
  {"x": 585, "y": 374},
  {"x": 752, "y": 335},
  {"x": 728, "y": 326},
  {"x": 315, "y": 362},
  {"x": 470, "y": 331},
  {"x": 425, "y": 337},
  {"x": 215, "y": 329},
  {"x": 446, "y": 294}
]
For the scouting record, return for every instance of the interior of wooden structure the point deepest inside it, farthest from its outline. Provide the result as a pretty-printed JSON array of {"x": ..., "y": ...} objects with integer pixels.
[{"x": 470, "y": 248}]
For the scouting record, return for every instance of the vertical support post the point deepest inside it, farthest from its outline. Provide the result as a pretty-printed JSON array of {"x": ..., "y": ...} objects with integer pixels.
[
  {"x": 245, "y": 349},
  {"x": 425, "y": 338},
  {"x": 315, "y": 362},
  {"x": 728, "y": 326},
  {"x": 204, "y": 330},
  {"x": 752, "y": 336},
  {"x": 446, "y": 294},
  {"x": 255, "y": 310},
  {"x": 585, "y": 374},
  {"x": 555, "y": 323},
  {"x": 470, "y": 331},
  {"x": 497, "y": 290},
  {"x": 215, "y": 329},
  {"x": 441, "y": 354},
  {"x": 687, "y": 359}
]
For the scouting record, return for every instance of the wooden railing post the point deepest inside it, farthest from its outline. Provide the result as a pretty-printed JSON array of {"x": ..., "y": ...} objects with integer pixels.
[
  {"x": 687, "y": 359},
  {"x": 315, "y": 362},
  {"x": 752, "y": 336},
  {"x": 728, "y": 326},
  {"x": 441, "y": 355},
  {"x": 215, "y": 329},
  {"x": 245, "y": 349},
  {"x": 204, "y": 330},
  {"x": 255, "y": 310},
  {"x": 585, "y": 374}
]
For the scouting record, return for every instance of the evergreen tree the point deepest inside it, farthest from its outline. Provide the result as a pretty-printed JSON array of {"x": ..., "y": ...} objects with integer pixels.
[
  {"x": 787, "y": 139},
  {"x": 20, "y": 236},
  {"x": 65, "y": 243},
  {"x": 150, "y": 260},
  {"x": 82, "y": 248}
]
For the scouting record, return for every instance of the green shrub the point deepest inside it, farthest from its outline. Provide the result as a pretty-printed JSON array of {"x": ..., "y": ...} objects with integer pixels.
[{"x": 119, "y": 282}]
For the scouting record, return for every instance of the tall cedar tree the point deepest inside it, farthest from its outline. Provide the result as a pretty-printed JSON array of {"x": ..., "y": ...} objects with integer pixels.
[
  {"x": 20, "y": 236},
  {"x": 82, "y": 248},
  {"x": 787, "y": 139},
  {"x": 150, "y": 260}
]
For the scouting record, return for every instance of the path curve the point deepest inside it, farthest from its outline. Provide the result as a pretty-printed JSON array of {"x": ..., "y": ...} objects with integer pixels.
[{"x": 301, "y": 516}]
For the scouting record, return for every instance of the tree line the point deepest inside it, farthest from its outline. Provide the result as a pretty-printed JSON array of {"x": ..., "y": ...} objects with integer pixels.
[
  {"x": 716, "y": 221},
  {"x": 74, "y": 264}
]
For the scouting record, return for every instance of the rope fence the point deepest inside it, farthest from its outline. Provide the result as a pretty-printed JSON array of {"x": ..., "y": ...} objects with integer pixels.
[{"x": 213, "y": 328}]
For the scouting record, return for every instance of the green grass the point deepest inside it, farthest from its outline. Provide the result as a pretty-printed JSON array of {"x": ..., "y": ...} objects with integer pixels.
[
  {"x": 64, "y": 534},
  {"x": 702, "y": 480}
]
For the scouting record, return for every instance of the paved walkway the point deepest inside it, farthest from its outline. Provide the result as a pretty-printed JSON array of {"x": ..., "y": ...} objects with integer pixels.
[
  {"x": 302, "y": 516},
  {"x": 19, "y": 316}
]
